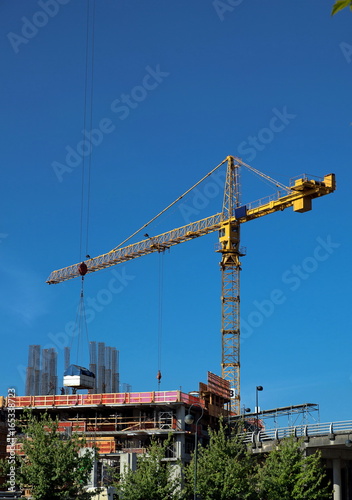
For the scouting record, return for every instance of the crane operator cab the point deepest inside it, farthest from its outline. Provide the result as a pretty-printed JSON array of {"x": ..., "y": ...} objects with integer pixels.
[{"x": 229, "y": 233}]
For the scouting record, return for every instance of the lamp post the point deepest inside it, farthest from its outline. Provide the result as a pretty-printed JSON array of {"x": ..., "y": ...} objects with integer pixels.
[
  {"x": 257, "y": 389},
  {"x": 189, "y": 419}
]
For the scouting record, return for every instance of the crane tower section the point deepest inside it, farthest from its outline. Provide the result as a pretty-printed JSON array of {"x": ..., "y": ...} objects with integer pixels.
[{"x": 230, "y": 265}]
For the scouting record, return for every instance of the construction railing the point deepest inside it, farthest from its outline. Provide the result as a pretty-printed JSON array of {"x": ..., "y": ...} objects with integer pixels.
[
  {"x": 309, "y": 430},
  {"x": 119, "y": 398}
]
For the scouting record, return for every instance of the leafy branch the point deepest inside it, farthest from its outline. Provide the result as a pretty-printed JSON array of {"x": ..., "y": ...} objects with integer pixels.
[{"x": 341, "y": 4}]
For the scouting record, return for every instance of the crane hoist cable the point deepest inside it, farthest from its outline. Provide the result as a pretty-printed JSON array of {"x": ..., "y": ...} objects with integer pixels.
[
  {"x": 81, "y": 322},
  {"x": 160, "y": 314},
  {"x": 80, "y": 327},
  {"x": 87, "y": 124},
  {"x": 91, "y": 125}
]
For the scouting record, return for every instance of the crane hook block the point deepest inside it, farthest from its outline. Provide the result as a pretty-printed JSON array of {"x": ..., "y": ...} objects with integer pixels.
[
  {"x": 82, "y": 268},
  {"x": 158, "y": 376}
]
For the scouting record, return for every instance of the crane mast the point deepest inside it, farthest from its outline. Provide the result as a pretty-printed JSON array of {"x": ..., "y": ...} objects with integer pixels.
[
  {"x": 299, "y": 196},
  {"x": 230, "y": 265}
]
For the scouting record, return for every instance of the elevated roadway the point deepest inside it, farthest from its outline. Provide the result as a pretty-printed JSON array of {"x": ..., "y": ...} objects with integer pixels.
[{"x": 333, "y": 439}]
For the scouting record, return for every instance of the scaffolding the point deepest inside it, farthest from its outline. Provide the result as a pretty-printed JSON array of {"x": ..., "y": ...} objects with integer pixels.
[
  {"x": 302, "y": 414},
  {"x": 115, "y": 378},
  {"x": 41, "y": 377},
  {"x": 119, "y": 423},
  {"x": 67, "y": 357},
  {"x": 108, "y": 363},
  {"x": 67, "y": 362},
  {"x": 49, "y": 371},
  {"x": 101, "y": 385},
  {"x": 41, "y": 373},
  {"x": 93, "y": 362},
  {"x": 104, "y": 363}
]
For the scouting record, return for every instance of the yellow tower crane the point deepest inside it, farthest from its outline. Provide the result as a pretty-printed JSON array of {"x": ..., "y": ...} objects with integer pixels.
[{"x": 299, "y": 195}]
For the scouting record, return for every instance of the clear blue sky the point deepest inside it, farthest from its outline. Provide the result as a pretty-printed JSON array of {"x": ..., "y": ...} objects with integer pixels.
[{"x": 178, "y": 86}]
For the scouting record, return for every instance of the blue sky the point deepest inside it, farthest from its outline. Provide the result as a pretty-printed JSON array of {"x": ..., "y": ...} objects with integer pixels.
[{"x": 177, "y": 87}]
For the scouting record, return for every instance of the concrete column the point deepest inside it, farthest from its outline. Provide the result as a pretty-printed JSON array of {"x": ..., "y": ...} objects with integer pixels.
[
  {"x": 180, "y": 438},
  {"x": 336, "y": 473}
]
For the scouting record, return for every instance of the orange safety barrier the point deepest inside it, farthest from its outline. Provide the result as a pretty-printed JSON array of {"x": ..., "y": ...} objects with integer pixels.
[
  {"x": 104, "y": 399},
  {"x": 104, "y": 445},
  {"x": 192, "y": 400},
  {"x": 75, "y": 425}
]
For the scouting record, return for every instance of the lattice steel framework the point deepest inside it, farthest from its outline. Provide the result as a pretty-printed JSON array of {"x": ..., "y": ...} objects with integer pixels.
[
  {"x": 93, "y": 363},
  {"x": 230, "y": 271},
  {"x": 115, "y": 382},
  {"x": 33, "y": 378},
  {"x": 67, "y": 357}
]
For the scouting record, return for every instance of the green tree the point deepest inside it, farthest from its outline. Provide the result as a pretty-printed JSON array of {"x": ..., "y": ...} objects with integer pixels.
[
  {"x": 224, "y": 469},
  {"x": 289, "y": 475},
  {"x": 52, "y": 466},
  {"x": 341, "y": 4},
  {"x": 154, "y": 478}
]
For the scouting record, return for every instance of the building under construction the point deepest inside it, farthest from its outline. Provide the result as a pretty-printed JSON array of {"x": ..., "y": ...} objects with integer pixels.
[{"x": 121, "y": 425}]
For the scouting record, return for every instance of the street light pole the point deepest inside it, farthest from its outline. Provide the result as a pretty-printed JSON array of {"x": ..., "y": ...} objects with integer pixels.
[
  {"x": 257, "y": 389},
  {"x": 189, "y": 419}
]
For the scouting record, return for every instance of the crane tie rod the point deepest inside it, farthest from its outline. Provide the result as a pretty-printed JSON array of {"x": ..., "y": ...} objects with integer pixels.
[
  {"x": 264, "y": 176},
  {"x": 169, "y": 206}
]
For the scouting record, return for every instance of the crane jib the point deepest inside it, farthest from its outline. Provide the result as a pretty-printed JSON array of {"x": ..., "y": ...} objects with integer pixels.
[{"x": 300, "y": 197}]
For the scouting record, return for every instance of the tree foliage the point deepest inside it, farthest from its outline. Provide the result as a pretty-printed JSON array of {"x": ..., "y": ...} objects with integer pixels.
[
  {"x": 228, "y": 471},
  {"x": 153, "y": 479},
  {"x": 224, "y": 469},
  {"x": 289, "y": 475},
  {"x": 341, "y": 4},
  {"x": 52, "y": 466}
]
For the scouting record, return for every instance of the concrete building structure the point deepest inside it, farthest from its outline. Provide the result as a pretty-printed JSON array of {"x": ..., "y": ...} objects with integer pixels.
[{"x": 122, "y": 425}]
